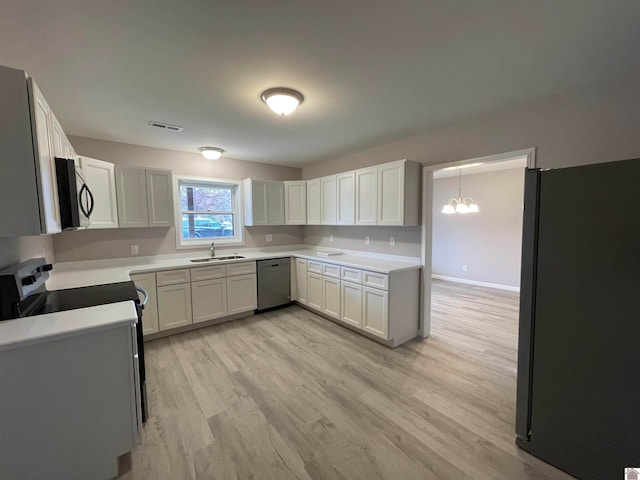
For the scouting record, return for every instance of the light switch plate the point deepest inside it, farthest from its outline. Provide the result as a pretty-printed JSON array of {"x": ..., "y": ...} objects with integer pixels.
[
  {"x": 269, "y": 237},
  {"x": 134, "y": 250}
]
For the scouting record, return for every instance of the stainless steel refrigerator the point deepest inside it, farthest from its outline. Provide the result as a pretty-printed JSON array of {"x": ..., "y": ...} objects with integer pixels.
[{"x": 578, "y": 401}]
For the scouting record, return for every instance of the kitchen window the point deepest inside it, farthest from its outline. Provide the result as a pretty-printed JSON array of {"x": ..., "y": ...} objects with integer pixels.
[{"x": 207, "y": 210}]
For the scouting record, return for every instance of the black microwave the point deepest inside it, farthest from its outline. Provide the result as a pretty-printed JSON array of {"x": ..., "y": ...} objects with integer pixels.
[{"x": 74, "y": 198}]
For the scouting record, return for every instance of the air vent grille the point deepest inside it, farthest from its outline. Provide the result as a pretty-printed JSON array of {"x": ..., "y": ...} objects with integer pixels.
[{"x": 165, "y": 126}]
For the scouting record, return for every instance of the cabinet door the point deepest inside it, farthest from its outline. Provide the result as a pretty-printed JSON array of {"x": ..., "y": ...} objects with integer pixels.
[
  {"x": 100, "y": 178},
  {"x": 147, "y": 281},
  {"x": 329, "y": 200},
  {"x": 314, "y": 290},
  {"x": 301, "y": 279},
  {"x": 391, "y": 193},
  {"x": 366, "y": 196},
  {"x": 174, "y": 306},
  {"x": 57, "y": 138},
  {"x": 331, "y": 297},
  {"x": 346, "y": 198},
  {"x": 131, "y": 194},
  {"x": 160, "y": 197},
  {"x": 242, "y": 293},
  {"x": 295, "y": 203},
  {"x": 351, "y": 304},
  {"x": 256, "y": 206},
  {"x": 48, "y": 188},
  {"x": 375, "y": 312},
  {"x": 314, "y": 206},
  {"x": 209, "y": 299},
  {"x": 275, "y": 203}
]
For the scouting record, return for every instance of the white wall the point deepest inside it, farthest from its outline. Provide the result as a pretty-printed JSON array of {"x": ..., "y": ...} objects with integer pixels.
[
  {"x": 488, "y": 242},
  {"x": 114, "y": 243}
]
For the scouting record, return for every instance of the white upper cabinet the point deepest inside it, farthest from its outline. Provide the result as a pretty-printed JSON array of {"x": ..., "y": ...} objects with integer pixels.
[
  {"x": 346, "y": 189},
  {"x": 100, "y": 177},
  {"x": 399, "y": 193},
  {"x": 366, "y": 196},
  {"x": 131, "y": 189},
  {"x": 45, "y": 165},
  {"x": 159, "y": 197},
  {"x": 295, "y": 202},
  {"x": 329, "y": 200},
  {"x": 263, "y": 202},
  {"x": 275, "y": 203},
  {"x": 314, "y": 202}
]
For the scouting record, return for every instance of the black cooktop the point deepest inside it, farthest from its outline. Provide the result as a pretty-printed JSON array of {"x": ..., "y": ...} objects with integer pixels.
[{"x": 72, "y": 298}]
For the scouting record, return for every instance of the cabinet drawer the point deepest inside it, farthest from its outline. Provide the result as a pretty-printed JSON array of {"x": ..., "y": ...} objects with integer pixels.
[
  {"x": 242, "y": 268},
  {"x": 375, "y": 280},
  {"x": 208, "y": 273},
  {"x": 329, "y": 270},
  {"x": 351, "y": 275},
  {"x": 314, "y": 267},
  {"x": 301, "y": 262},
  {"x": 172, "y": 277}
]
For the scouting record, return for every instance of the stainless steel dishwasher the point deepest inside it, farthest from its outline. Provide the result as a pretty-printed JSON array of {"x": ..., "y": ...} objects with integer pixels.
[{"x": 274, "y": 282}]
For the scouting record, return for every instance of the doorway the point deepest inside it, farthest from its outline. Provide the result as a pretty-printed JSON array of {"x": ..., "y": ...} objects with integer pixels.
[{"x": 489, "y": 163}]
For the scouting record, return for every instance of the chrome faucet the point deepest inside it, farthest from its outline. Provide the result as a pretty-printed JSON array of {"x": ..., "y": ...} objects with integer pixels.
[{"x": 213, "y": 249}]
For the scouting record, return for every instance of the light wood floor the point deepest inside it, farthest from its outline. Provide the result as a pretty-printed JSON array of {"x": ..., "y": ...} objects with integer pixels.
[{"x": 290, "y": 395}]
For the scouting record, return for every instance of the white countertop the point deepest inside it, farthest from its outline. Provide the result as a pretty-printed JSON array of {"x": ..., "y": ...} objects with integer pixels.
[
  {"x": 26, "y": 331},
  {"x": 86, "y": 273}
]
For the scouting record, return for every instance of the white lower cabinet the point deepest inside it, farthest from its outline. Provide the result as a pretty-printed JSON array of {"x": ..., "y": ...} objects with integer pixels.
[
  {"x": 174, "y": 306},
  {"x": 242, "y": 293},
  {"x": 331, "y": 297},
  {"x": 314, "y": 291},
  {"x": 209, "y": 299},
  {"x": 147, "y": 281},
  {"x": 301, "y": 280},
  {"x": 375, "y": 312},
  {"x": 382, "y": 305},
  {"x": 351, "y": 303}
]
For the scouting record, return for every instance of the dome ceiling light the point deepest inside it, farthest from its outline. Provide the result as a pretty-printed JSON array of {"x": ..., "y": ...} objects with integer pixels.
[
  {"x": 281, "y": 100},
  {"x": 211, "y": 153}
]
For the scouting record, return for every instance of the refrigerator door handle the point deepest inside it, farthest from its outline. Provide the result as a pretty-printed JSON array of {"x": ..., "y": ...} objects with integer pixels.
[{"x": 527, "y": 306}]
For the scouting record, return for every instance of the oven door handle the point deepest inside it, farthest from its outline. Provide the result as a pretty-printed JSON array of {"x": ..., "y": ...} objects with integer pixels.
[{"x": 146, "y": 295}]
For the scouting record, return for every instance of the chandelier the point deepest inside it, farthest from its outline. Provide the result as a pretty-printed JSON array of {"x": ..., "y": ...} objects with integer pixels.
[{"x": 460, "y": 205}]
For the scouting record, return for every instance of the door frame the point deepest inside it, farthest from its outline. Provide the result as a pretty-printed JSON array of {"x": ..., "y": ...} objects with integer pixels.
[{"x": 427, "y": 223}]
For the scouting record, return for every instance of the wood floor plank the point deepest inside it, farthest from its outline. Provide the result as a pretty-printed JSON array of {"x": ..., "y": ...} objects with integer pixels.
[{"x": 290, "y": 395}]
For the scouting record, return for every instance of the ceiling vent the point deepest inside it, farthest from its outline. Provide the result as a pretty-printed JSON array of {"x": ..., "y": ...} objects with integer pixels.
[{"x": 166, "y": 126}]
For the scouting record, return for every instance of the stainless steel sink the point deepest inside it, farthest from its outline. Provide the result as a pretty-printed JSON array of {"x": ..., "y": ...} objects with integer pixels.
[{"x": 213, "y": 259}]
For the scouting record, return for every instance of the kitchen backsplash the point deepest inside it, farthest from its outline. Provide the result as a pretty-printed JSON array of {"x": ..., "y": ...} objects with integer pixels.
[
  {"x": 116, "y": 243},
  {"x": 17, "y": 249}
]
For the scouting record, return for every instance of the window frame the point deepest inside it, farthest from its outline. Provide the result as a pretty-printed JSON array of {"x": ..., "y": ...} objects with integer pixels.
[{"x": 236, "y": 199}]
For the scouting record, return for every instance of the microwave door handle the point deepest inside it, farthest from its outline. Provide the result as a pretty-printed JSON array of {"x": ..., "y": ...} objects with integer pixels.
[{"x": 90, "y": 203}]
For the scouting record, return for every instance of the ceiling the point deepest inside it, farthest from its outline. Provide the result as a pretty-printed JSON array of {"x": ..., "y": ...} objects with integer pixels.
[{"x": 371, "y": 71}]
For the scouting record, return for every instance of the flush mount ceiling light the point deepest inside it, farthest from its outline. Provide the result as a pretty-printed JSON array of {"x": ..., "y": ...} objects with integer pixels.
[
  {"x": 211, "y": 153},
  {"x": 282, "y": 101},
  {"x": 460, "y": 205}
]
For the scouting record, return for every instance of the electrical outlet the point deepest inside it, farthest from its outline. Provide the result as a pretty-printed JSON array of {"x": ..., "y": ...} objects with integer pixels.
[
  {"x": 392, "y": 241},
  {"x": 367, "y": 240},
  {"x": 331, "y": 238},
  {"x": 134, "y": 250},
  {"x": 269, "y": 237},
  {"x": 464, "y": 268}
]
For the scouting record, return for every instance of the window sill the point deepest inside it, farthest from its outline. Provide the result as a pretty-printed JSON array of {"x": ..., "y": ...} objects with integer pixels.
[{"x": 200, "y": 244}]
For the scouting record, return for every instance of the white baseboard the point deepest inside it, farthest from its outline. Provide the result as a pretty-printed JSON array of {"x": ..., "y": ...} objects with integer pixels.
[{"x": 511, "y": 288}]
